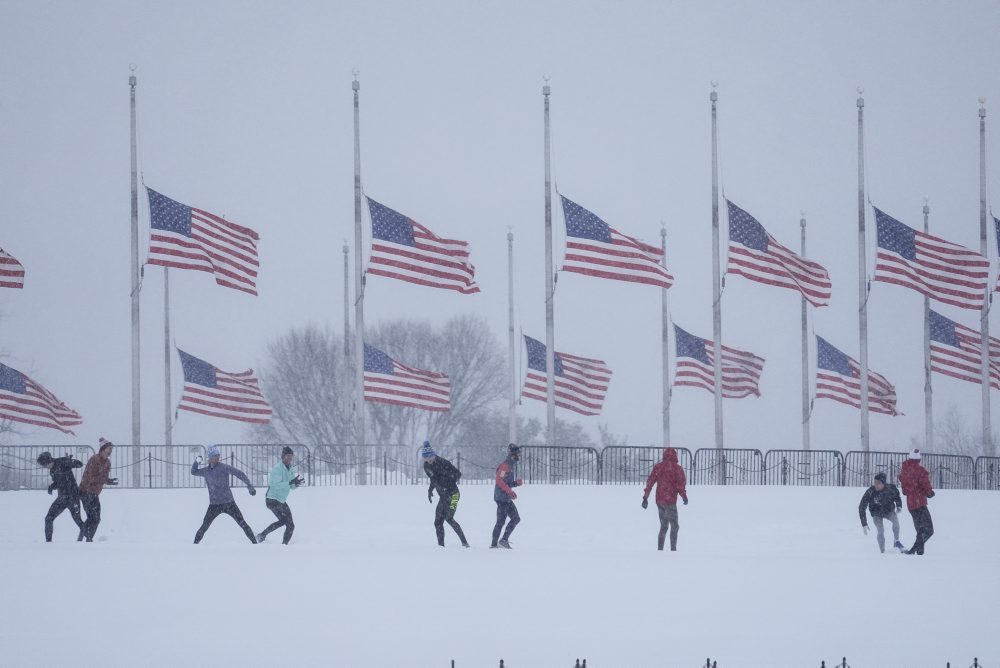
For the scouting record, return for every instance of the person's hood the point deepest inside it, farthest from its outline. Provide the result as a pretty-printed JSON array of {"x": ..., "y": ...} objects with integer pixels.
[{"x": 670, "y": 455}]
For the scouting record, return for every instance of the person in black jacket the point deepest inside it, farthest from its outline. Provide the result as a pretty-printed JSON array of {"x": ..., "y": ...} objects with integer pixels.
[
  {"x": 68, "y": 498},
  {"x": 883, "y": 501},
  {"x": 444, "y": 478}
]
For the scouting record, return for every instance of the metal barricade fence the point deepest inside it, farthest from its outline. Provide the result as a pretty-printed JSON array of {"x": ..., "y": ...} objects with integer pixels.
[
  {"x": 950, "y": 471},
  {"x": 629, "y": 465},
  {"x": 19, "y": 467},
  {"x": 803, "y": 467},
  {"x": 988, "y": 473},
  {"x": 860, "y": 467},
  {"x": 556, "y": 465},
  {"x": 713, "y": 466},
  {"x": 155, "y": 466}
]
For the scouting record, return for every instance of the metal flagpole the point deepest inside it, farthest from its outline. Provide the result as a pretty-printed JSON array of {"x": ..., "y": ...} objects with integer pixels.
[
  {"x": 806, "y": 412},
  {"x": 347, "y": 306},
  {"x": 136, "y": 432},
  {"x": 928, "y": 387},
  {"x": 716, "y": 287},
  {"x": 984, "y": 322},
  {"x": 550, "y": 350},
  {"x": 359, "y": 293},
  {"x": 863, "y": 283},
  {"x": 168, "y": 426},
  {"x": 665, "y": 333},
  {"x": 512, "y": 409}
]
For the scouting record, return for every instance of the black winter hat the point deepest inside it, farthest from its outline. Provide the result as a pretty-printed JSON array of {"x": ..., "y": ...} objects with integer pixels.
[
  {"x": 880, "y": 476},
  {"x": 286, "y": 451},
  {"x": 44, "y": 458},
  {"x": 514, "y": 449}
]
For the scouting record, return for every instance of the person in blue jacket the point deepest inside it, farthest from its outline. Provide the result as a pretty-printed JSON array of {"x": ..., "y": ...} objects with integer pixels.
[
  {"x": 280, "y": 482},
  {"x": 220, "y": 496}
]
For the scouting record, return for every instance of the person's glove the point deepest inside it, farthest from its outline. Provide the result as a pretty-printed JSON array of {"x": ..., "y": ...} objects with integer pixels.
[
  {"x": 645, "y": 503},
  {"x": 864, "y": 527},
  {"x": 899, "y": 509},
  {"x": 430, "y": 496},
  {"x": 50, "y": 491},
  {"x": 513, "y": 495},
  {"x": 930, "y": 494},
  {"x": 685, "y": 502},
  {"x": 298, "y": 481},
  {"x": 518, "y": 483},
  {"x": 194, "y": 465},
  {"x": 112, "y": 481},
  {"x": 252, "y": 490}
]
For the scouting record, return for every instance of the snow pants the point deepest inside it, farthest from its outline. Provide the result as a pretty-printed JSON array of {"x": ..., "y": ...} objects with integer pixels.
[
  {"x": 284, "y": 515},
  {"x": 217, "y": 509},
  {"x": 924, "y": 527},
  {"x": 62, "y": 502},
  {"x": 668, "y": 522},
  {"x": 880, "y": 528},
  {"x": 445, "y": 512},
  {"x": 505, "y": 509},
  {"x": 92, "y": 506}
]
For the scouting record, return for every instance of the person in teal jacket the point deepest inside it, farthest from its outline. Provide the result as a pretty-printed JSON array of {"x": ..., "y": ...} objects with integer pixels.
[{"x": 281, "y": 481}]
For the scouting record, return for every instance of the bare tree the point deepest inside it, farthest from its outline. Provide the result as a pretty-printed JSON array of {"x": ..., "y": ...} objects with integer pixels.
[{"x": 953, "y": 435}]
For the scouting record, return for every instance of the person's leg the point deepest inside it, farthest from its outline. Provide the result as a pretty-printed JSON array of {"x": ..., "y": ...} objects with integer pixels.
[
  {"x": 275, "y": 507},
  {"x": 661, "y": 510},
  {"x": 674, "y": 526},
  {"x": 515, "y": 519},
  {"x": 894, "y": 518},
  {"x": 210, "y": 515},
  {"x": 91, "y": 504},
  {"x": 289, "y": 524},
  {"x": 74, "y": 511},
  {"x": 55, "y": 510},
  {"x": 501, "y": 518},
  {"x": 440, "y": 514},
  {"x": 233, "y": 511},
  {"x": 880, "y": 529},
  {"x": 926, "y": 528},
  {"x": 450, "y": 518}
]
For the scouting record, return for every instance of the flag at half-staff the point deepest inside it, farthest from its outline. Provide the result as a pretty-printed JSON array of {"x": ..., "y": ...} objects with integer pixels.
[
  {"x": 936, "y": 268},
  {"x": 389, "y": 382},
  {"x": 209, "y": 391},
  {"x": 404, "y": 249},
  {"x": 23, "y": 400},
  {"x": 184, "y": 237},
  {"x": 11, "y": 271},
  {"x": 581, "y": 383},
  {"x": 838, "y": 377},
  {"x": 696, "y": 367},
  {"x": 755, "y": 254},
  {"x": 594, "y": 248},
  {"x": 956, "y": 351}
]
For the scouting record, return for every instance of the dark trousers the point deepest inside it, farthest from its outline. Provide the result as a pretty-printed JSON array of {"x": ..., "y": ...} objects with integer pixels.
[
  {"x": 505, "y": 509},
  {"x": 445, "y": 512},
  {"x": 62, "y": 502},
  {"x": 284, "y": 515},
  {"x": 668, "y": 521},
  {"x": 92, "y": 506},
  {"x": 924, "y": 527},
  {"x": 217, "y": 509}
]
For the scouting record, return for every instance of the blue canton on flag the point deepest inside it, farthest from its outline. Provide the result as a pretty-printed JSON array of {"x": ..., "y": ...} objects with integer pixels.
[
  {"x": 584, "y": 224},
  {"x": 689, "y": 345},
  {"x": 895, "y": 236},
  {"x": 832, "y": 359},
  {"x": 197, "y": 371},
  {"x": 745, "y": 229},
  {"x": 536, "y": 356},
  {"x": 169, "y": 215},
  {"x": 390, "y": 225}
]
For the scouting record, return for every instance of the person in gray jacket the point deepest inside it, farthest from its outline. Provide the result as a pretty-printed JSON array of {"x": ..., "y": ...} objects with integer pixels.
[{"x": 220, "y": 496}]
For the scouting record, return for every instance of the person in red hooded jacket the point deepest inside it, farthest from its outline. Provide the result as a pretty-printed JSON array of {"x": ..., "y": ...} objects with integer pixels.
[
  {"x": 668, "y": 476},
  {"x": 916, "y": 484}
]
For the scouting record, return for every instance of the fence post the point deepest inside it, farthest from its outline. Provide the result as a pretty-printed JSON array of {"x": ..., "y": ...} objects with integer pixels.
[
  {"x": 149, "y": 462},
  {"x": 784, "y": 470},
  {"x": 385, "y": 468}
]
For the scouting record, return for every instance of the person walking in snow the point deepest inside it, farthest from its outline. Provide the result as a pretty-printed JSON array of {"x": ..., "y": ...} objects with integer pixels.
[
  {"x": 504, "y": 495},
  {"x": 668, "y": 476},
  {"x": 883, "y": 502},
  {"x": 68, "y": 497},
  {"x": 220, "y": 496},
  {"x": 280, "y": 482},
  {"x": 916, "y": 484},
  {"x": 95, "y": 477},
  {"x": 443, "y": 478}
]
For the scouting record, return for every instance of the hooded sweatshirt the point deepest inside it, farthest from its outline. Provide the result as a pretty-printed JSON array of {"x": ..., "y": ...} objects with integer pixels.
[
  {"x": 916, "y": 484},
  {"x": 217, "y": 479},
  {"x": 668, "y": 476},
  {"x": 95, "y": 475},
  {"x": 279, "y": 481}
]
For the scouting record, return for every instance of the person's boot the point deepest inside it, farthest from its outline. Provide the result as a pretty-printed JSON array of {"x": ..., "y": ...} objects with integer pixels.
[
  {"x": 79, "y": 537},
  {"x": 261, "y": 537},
  {"x": 504, "y": 544},
  {"x": 899, "y": 546}
]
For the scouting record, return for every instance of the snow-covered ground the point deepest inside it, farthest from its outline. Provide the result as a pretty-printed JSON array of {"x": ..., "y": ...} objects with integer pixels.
[{"x": 764, "y": 576}]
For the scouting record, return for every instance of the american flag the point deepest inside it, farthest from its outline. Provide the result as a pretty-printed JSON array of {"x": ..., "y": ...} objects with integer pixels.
[
  {"x": 696, "y": 366},
  {"x": 389, "y": 382},
  {"x": 755, "y": 254},
  {"x": 594, "y": 248},
  {"x": 11, "y": 271},
  {"x": 24, "y": 400},
  {"x": 183, "y": 237},
  {"x": 580, "y": 383},
  {"x": 956, "y": 351},
  {"x": 209, "y": 391},
  {"x": 936, "y": 268},
  {"x": 838, "y": 377},
  {"x": 403, "y": 248}
]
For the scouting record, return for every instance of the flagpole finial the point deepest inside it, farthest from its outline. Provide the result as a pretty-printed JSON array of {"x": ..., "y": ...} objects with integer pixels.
[
  {"x": 802, "y": 219},
  {"x": 927, "y": 208},
  {"x": 355, "y": 84},
  {"x": 546, "y": 89},
  {"x": 861, "y": 96},
  {"x": 131, "y": 76},
  {"x": 982, "y": 107},
  {"x": 663, "y": 230},
  {"x": 510, "y": 233},
  {"x": 714, "y": 96}
]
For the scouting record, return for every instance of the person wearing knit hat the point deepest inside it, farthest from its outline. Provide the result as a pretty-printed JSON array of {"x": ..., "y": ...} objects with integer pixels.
[
  {"x": 882, "y": 500},
  {"x": 220, "y": 496},
  {"x": 280, "y": 483},
  {"x": 95, "y": 476},
  {"x": 504, "y": 495},
  {"x": 916, "y": 484},
  {"x": 444, "y": 478}
]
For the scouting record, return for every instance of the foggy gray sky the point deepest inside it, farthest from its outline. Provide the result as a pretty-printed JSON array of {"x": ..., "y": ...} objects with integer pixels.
[{"x": 245, "y": 111}]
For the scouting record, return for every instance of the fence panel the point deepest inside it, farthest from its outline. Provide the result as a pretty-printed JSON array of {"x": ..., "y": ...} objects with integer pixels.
[
  {"x": 803, "y": 467},
  {"x": 556, "y": 465},
  {"x": 155, "y": 466},
  {"x": 713, "y": 466},
  {"x": 19, "y": 467},
  {"x": 988, "y": 473},
  {"x": 950, "y": 471},
  {"x": 630, "y": 465},
  {"x": 860, "y": 467}
]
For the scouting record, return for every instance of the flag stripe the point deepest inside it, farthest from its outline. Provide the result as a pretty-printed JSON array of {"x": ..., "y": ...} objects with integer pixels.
[
  {"x": 401, "y": 385},
  {"x": 25, "y": 401},
  {"x": 11, "y": 271},
  {"x": 580, "y": 383},
  {"x": 234, "y": 396}
]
